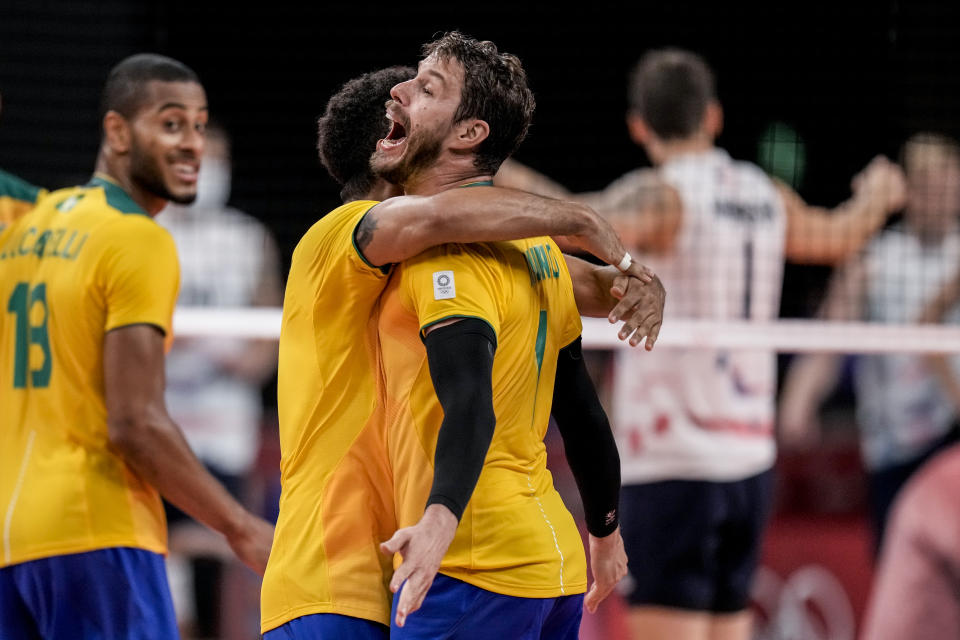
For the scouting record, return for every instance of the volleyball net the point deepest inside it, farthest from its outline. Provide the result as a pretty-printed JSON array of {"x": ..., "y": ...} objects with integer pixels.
[{"x": 782, "y": 336}]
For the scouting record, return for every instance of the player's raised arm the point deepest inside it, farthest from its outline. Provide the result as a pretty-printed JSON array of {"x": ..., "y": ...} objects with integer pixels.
[
  {"x": 592, "y": 455},
  {"x": 820, "y": 236},
  {"x": 811, "y": 377},
  {"x": 154, "y": 447},
  {"x": 402, "y": 227}
]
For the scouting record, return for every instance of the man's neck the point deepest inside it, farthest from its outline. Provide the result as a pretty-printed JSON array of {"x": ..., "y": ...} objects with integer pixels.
[
  {"x": 381, "y": 190},
  {"x": 110, "y": 168},
  {"x": 667, "y": 150},
  {"x": 442, "y": 176}
]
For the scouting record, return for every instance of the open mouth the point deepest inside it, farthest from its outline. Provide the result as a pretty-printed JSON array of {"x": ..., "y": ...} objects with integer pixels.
[{"x": 395, "y": 137}]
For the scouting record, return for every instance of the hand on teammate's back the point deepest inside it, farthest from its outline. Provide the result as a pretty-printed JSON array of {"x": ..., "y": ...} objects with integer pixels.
[
  {"x": 640, "y": 307},
  {"x": 252, "y": 541},
  {"x": 422, "y": 547},
  {"x": 608, "y": 564}
]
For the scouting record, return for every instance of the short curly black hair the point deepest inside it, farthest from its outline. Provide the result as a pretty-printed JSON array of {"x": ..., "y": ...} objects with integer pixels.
[
  {"x": 671, "y": 89},
  {"x": 495, "y": 90},
  {"x": 354, "y": 120}
]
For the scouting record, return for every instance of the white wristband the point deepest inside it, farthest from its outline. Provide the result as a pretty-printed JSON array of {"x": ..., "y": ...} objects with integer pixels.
[{"x": 625, "y": 261}]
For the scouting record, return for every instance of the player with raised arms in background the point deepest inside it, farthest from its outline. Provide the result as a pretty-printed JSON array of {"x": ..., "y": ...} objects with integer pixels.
[{"x": 695, "y": 427}]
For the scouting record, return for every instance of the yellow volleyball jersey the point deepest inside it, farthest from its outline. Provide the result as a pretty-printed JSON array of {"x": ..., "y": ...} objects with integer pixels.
[
  {"x": 516, "y": 536},
  {"x": 16, "y": 198},
  {"x": 336, "y": 503},
  {"x": 85, "y": 261}
]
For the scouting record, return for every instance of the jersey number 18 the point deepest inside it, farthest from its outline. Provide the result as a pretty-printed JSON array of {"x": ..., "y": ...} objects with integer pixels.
[{"x": 21, "y": 303}]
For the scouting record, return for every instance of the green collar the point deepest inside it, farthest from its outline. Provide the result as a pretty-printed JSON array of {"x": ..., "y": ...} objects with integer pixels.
[
  {"x": 116, "y": 196},
  {"x": 478, "y": 183}
]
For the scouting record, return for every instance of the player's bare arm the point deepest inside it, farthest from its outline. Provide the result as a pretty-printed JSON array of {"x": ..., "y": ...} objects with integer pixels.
[
  {"x": 154, "y": 447},
  {"x": 402, "y": 227},
  {"x": 605, "y": 292},
  {"x": 816, "y": 235},
  {"x": 812, "y": 377},
  {"x": 645, "y": 211}
]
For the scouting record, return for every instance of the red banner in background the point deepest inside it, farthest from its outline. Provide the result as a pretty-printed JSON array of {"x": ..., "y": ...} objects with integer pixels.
[{"x": 817, "y": 560}]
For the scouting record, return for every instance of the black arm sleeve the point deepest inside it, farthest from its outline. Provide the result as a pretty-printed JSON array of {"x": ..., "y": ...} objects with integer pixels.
[
  {"x": 588, "y": 441},
  {"x": 460, "y": 356}
]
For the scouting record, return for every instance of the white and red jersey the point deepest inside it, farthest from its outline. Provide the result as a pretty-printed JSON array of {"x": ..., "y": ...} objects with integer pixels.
[{"x": 707, "y": 414}]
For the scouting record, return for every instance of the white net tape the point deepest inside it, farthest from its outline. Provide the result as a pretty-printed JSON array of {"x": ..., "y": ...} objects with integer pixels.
[{"x": 788, "y": 336}]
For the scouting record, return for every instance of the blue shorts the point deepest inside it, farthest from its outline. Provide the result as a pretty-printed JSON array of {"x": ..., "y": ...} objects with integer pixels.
[
  {"x": 694, "y": 544},
  {"x": 328, "y": 626},
  {"x": 455, "y": 610},
  {"x": 112, "y": 593}
]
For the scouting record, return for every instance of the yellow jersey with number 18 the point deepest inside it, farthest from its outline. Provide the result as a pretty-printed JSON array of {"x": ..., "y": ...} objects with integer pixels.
[
  {"x": 85, "y": 261},
  {"x": 336, "y": 504},
  {"x": 516, "y": 537}
]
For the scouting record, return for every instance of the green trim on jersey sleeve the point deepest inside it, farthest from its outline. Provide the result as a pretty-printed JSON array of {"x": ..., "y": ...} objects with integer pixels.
[
  {"x": 17, "y": 188},
  {"x": 385, "y": 269},
  {"x": 116, "y": 196}
]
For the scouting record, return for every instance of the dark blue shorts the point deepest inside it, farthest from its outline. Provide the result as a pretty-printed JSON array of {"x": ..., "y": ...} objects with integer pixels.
[
  {"x": 116, "y": 593},
  {"x": 694, "y": 544},
  {"x": 455, "y": 610},
  {"x": 328, "y": 626}
]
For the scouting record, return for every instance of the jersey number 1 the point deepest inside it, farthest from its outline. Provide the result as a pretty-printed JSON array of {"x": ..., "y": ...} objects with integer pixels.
[{"x": 21, "y": 303}]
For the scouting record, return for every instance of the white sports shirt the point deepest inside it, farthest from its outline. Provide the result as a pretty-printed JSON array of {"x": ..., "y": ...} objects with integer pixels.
[
  {"x": 901, "y": 408},
  {"x": 707, "y": 414}
]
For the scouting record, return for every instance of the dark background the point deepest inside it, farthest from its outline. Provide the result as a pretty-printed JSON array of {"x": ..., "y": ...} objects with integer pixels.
[{"x": 853, "y": 78}]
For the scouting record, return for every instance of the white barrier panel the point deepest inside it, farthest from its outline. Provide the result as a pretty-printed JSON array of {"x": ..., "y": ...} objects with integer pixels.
[{"x": 788, "y": 336}]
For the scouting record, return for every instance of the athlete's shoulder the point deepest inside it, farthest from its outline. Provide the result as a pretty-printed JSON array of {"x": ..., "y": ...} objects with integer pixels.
[
  {"x": 536, "y": 241},
  {"x": 351, "y": 211},
  {"x": 119, "y": 223},
  {"x": 331, "y": 244},
  {"x": 101, "y": 197},
  {"x": 344, "y": 217},
  {"x": 19, "y": 189},
  {"x": 753, "y": 172},
  {"x": 489, "y": 254}
]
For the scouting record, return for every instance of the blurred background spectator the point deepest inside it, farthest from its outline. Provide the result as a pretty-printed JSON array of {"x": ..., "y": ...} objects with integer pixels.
[
  {"x": 227, "y": 260},
  {"x": 903, "y": 411}
]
